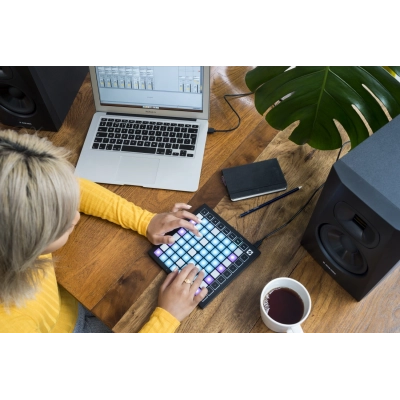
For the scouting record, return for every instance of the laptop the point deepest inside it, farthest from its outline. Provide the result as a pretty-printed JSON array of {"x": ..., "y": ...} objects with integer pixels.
[{"x": 149, "y": 128}]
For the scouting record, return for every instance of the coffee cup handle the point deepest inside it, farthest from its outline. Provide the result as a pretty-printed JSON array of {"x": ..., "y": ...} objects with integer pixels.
[{"x": 295, "y": 329}]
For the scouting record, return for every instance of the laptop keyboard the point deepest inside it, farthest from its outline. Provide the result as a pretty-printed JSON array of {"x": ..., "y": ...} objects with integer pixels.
[{"x": 150, "y": 137}]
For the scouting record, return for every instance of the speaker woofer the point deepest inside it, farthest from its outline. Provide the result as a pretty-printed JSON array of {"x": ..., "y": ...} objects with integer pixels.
[
  {"x": 15, "y": 100},
  {"x": 342, "y": 249}
]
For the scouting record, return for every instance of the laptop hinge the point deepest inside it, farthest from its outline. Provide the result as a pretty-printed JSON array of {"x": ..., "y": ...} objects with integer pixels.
[{"x": 151, "y": 116}]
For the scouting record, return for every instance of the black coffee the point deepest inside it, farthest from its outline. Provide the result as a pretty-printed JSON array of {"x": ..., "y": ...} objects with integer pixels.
[{"x": 284, "y": 305}]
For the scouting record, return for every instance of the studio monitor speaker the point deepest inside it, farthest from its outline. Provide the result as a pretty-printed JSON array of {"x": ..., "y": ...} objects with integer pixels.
[
  {"x": 354, "y": 231},
  {"x": 38, "y": 97}
]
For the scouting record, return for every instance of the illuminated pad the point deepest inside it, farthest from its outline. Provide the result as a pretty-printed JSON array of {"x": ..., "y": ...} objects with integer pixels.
[{"x": 221, "y": 252}]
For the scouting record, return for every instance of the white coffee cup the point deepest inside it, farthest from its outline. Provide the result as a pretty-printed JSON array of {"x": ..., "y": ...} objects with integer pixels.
[{"x": 300, "y": 290}]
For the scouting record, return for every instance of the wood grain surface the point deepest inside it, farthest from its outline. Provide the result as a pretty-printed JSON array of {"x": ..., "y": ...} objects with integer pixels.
[
  {"x": 236, "y": 309},
  {"x": 107, "y": 268}
]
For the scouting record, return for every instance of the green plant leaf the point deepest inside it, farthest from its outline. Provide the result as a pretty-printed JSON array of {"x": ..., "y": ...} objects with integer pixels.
[{"x": 316, "y": 96}]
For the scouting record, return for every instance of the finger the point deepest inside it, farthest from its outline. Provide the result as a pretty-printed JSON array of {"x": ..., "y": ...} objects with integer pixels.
[
  {"x": 187, "y": 215},
  {"x": 169, "y": 279},
  {"x": 180, "y": 206},
  {"x": 190, "y": 227},
  {"x": 185, "y": 272},
  {"x": 197, "y": 282},
  {"x": 192, "y": 274},
  {"x": 182, "y": 223},
  {"x": 200, "y": 296},
  {"x": 161, "y": 239},
  {"x": 172, "y": 222}
]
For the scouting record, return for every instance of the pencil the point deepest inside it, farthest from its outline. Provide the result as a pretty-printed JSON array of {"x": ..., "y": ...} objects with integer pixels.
[{"x": 270, "y": 201}]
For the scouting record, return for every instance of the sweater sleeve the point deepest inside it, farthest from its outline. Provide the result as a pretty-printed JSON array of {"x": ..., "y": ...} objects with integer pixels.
[
  {"x": 161, "y": 321},
  {"x": 100, "y": 202}
]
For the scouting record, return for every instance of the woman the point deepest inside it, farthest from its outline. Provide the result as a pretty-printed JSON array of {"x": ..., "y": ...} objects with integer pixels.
[{"x": 39, "y": 202}]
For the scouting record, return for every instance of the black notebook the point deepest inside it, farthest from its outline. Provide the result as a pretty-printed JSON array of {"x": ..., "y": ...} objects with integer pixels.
[{"x": 256, "y": 179}]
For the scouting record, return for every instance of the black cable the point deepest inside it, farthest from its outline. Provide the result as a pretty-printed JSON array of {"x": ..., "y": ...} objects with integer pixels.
[
  {"x": 212, "y": 130},
  {"x": 258, "y": 243}
]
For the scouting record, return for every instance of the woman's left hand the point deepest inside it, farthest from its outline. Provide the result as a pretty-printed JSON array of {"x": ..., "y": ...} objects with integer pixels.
[{"x": 180, "y": 294}]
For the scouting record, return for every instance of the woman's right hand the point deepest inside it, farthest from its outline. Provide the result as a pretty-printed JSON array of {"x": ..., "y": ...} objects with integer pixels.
[{"x": 177, "y": 294}]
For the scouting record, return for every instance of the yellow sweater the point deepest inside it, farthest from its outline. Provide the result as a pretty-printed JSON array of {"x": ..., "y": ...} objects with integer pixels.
[{"x": 54, "y": 309}]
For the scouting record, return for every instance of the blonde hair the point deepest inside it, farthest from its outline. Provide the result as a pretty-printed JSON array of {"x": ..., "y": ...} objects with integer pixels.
[{"x": 39, "y": 197}]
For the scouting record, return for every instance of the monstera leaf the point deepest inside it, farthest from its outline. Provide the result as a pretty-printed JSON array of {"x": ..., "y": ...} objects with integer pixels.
[{"x": 316, "y": 96}]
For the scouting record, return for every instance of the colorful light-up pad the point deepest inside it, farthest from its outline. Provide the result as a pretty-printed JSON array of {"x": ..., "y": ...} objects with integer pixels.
[{"x": 221, "y": 252}]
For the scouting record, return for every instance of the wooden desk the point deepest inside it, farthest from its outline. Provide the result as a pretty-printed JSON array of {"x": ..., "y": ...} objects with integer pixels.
[{"x": 107, "y": 268}]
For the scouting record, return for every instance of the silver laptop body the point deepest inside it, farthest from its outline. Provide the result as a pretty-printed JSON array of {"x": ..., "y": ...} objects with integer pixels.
[{"x": 125, "y": 143}]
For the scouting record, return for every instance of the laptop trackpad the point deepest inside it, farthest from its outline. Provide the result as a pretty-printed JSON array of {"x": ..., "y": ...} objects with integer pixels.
[{"x": 137, "y": 170}]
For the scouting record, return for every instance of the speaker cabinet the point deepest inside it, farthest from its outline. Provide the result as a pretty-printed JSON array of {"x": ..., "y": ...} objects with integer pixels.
[
  {"x": 354, "y": 231},
  {"x": 38, "y": 97}
]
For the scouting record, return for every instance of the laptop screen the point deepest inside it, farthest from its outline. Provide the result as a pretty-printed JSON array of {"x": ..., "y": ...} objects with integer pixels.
[{"x": 157, "y": 88}]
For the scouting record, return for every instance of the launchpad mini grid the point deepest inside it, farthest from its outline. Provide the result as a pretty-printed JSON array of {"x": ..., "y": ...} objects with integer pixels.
[{"x": 221, "y": 252}]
